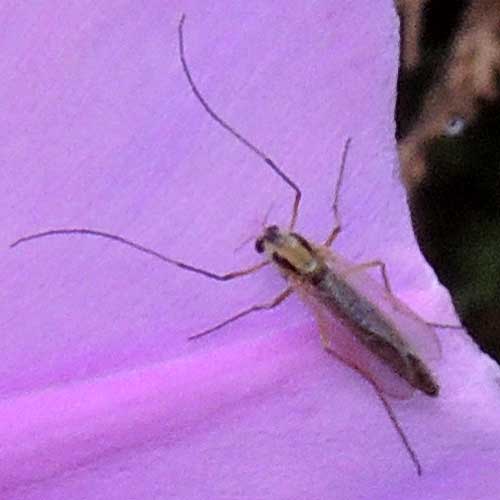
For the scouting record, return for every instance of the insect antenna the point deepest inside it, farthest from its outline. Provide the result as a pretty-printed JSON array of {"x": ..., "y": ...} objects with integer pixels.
[
  {"x": 253, "y": 236},
  {"x": 143, "y": 249},
  {"x": 234, "y": 132}
]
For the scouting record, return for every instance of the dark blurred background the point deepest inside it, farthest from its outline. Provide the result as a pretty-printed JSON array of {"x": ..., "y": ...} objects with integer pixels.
[{"x": 448, "y": 133}]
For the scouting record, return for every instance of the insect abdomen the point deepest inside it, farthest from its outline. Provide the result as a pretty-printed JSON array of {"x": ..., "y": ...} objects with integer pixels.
[{"x": 372, "y": 329}]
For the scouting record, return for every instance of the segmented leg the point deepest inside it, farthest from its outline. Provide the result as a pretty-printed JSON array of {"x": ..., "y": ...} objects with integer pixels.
[
  {"x": 333, "y": 234},
  {"x": 445, "y": 326},
  {"x": 337, "y": 227},
  {"x": 262, "y": 307},
  {"x": 385, "y": 278},
  {"x": 322, "y": 325},
  {"x": 373, "y": 263}
]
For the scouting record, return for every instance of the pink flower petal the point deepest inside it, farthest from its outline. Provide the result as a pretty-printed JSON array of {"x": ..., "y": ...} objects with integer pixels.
[{"x": 102, "y": 397}]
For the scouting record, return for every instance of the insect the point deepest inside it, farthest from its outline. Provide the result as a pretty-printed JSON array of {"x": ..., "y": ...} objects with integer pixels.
[{"x": 379, "y": 325}]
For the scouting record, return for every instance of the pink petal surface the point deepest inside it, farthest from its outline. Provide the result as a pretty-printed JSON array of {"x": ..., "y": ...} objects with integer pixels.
[{"x": 101, "y": 395}]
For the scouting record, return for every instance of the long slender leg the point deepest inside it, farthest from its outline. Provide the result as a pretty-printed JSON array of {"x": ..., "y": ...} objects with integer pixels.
[
  {"x": 233, "y": 131},
  {"x": 332, "y": 236},
  {"x": 388, "y": 408},
  {"x": 146, "y": 250},
  {"x": 397, "y": 426},
  {"x": 385, "y": 278},
  {"x": 337, "y": 227},
  {"x": 373, "y": 263},
  {"x": 444, "y": 326},
  {"x": 262, "y": 307}
]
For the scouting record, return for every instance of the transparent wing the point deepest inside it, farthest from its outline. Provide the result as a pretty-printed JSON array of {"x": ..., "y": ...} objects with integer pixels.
[
  {"x": 348, "y": 349},
  {"x": 418, "y": 336}
]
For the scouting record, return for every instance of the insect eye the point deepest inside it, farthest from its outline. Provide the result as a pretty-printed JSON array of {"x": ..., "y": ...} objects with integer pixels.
[
  {"x": 455, "y": 126},
  {"x": 259, "y": 245},
  {"x": 272, "y": 233}
]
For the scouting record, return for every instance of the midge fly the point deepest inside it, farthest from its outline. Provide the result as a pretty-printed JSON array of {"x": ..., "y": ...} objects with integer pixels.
[{"x": 383, "y": 333}]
